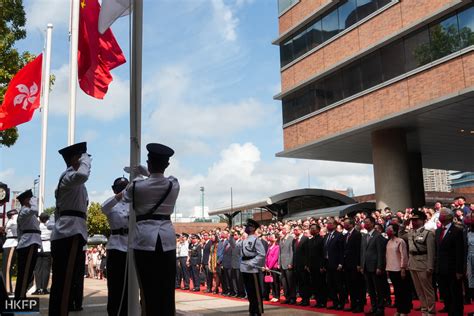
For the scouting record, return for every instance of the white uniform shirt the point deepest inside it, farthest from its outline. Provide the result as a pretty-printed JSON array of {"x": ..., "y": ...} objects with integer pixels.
[
  {"x": 72, "y": 196},
  {"x": 45, "y": 237},
  {"x": 251, "y": 247},
  {"x": 11, "y": 231},
  {"x": 118, "y": 218},
  {"x": 183, "y": 249},
  {"x": 147, "y": 193},
  {"x": 28, "y": 220}
]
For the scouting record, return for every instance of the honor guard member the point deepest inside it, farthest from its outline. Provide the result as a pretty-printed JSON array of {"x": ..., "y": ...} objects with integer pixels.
[
  {"x": 421, "y": 248},
  {"x": 194, "y": 261},
  {"x": 43, "y": 263},
  {"x": 29, "y": 239},
  {"x": 253, "y": 260},
  {"x": 154, "y": 240},
  {"x": 9, "y": 249},
  {"x": 69, "y": 233},
  {"x": 117, "y": 300}
]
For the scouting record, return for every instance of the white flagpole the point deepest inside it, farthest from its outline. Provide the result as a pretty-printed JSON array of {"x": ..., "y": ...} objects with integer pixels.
[
  {"x": 44, "y": 110},
  {"x": 74, "y": 40},
  {"x": 135, "y": 139}
]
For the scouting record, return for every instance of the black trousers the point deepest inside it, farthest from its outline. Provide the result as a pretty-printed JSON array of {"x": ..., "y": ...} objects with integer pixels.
[
  {"x": 334, "y": 285},
  {"x": 318, "y": 285},
  {"x": 178, "y": 274},
  {"x": 376, "y": 288},
  {"x": 237, "y": 282},
  {"x": 183, "y": 271},
  {"x": 451, "y": 288},
  {"x": 254, "y": 292},
  {"x": 402, "y": 291},
  {"x": 77, "y": 291},
  {"x": 288, "y": 282},
  {"x": 68, "y": 263},
  {"x": 227, "y": 281},
  {"x": 9, "y": 257},
  {"x": 26, "y": 265},
  {"x": 209, "y": 276},
  {"x": 117, "y": 283},
  {"x": 194, "y": 274},
  {"x": 156, "y": 271},
  {"x": 274, "y": 286},
  {"x": 42, "y": 270},
  {"x": 354, "y": 280},
  {"x": 302, "y": 281}
]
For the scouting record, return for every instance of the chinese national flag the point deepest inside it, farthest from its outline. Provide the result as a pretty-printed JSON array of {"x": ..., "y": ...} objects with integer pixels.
[
  {"x": 22, "y": 97},
  {"x": 98, "y": 53}
]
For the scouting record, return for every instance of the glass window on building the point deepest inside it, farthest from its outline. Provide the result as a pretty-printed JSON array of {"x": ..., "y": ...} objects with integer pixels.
[
  {"x": 381, "y": 3},
  {"x": 417, "y": 50},
  {"x": 371, "y": 70},
  {"x": 351, "y": 78},
  {"x": 285, "y": 4},
  {"x": 347, "y": 14},
  {"x": 319, "y": 95},
  {"x": 300, "y": 45},
  {"x": 286, "y": 52},
  {"x": 330, "y": 25},
  {"x": 444, "y": 37},
  {"x": 393, "y": 60},
  {"x": 466, "y": 27},
  {"x": 333, "y": 84},
  {"x": 315, "y": 35},
  {"x": 365, "y": 8}
]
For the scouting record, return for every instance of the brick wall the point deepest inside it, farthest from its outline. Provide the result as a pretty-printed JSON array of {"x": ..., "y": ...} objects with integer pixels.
[{"x": 193, "y": 228}]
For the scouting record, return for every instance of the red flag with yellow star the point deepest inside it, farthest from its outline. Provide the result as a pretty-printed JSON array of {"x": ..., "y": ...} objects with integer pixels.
[{"x": 98, "y": 53}]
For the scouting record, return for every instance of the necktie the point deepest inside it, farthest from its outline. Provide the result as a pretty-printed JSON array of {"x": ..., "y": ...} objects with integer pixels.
[
  {"x": 441, "y": 236},
  {"x": 348, "y": 236},
  {"x": 297, "y": 242}
]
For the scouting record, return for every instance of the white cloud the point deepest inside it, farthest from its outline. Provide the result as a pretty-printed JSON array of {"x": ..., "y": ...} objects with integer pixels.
[
  {"x": 225, "y": 18},
  {"x": 100, "y": 196},
  {"x": 240, "y": 166},
  {"x": 14, "y": 181},
  {"x": 114, "y": 105},
  {"x": 41, "y": 12}
]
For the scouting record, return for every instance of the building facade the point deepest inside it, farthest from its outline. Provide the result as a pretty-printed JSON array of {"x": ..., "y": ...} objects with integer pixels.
[
  {"x": 462, "y": 182},
  {"x": 383, "y": 82},
  {"x": 436, "y": 180}
]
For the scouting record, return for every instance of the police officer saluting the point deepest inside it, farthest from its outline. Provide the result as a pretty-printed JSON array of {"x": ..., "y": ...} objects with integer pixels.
[
  {"x": 117, "y": 300},
  {"x": 154, "y": 240},
  {"x": 29, "y": 239},
  {"x": 194, "y": 261},
  {"x": 69, "y": 233},
  {"x": 253, "y": 260}
]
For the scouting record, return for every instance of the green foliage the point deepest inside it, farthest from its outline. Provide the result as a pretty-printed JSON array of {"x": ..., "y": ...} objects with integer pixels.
[
  {"x": 203, "y": 220},
  {"x": 12, "y": 29},
  {"x": 49, "y": 210},
  {"x": 96, "y": 221}
]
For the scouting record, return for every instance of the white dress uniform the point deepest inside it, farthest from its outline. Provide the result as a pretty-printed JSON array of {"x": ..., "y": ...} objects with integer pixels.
[
  {"x": 117, "y": 217},
  {"x": 69, "y": 234},
  {"x": 9, "y": 251},
  {"x": 29, "y": 240}
]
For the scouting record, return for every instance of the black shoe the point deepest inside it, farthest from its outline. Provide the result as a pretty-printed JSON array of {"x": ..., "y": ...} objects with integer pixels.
[
  {"x": 195, "y": 290},
  {"x": 331, "y": 307},
  {"x": 304, "y": 303},
  {"x": 320, "y": 305},
  {"x": 292, "y": 302},
  {"x": 186, "y": 288},
  {"x": 358, "y": 310},
  {"x": 45, "y": 292},
  {"x": 37, "y": 292},
  {"x": 349, "y": 309},
  {"x": 207, "y": 291},
  {"x": 339, "y": 307},
  {"x": 443, "y": 310}
]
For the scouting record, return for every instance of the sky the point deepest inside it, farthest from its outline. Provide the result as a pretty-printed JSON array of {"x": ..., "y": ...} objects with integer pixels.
[{"x": 209, "y": 76}]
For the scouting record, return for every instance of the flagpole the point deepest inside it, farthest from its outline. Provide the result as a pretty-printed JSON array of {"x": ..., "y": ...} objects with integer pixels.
[
  {"x": 74, "y": 40},
  {"x": 44, "y": 110},
  {"x": 135, "y": 139}
]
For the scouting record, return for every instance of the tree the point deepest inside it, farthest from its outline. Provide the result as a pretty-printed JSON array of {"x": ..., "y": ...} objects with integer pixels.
[
  {"x": 96, "y": 221},
  {"x": 50, "y": 210},
  {"x": 12, "y": 29}
]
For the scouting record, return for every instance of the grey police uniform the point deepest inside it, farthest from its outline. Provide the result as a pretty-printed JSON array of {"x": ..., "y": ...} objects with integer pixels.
[
  {"x": 68, "y": 237},
  {"x": 421, "y": 246},
  {"x": 29, "y": 239}
]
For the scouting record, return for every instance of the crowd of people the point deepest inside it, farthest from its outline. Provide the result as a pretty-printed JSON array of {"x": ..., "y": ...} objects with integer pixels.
[
  {"x": 424, "y": 254},
  {"x": 96, "y": 262}
]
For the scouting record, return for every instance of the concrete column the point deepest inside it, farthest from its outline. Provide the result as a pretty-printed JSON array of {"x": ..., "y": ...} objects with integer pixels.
[
  {"x": 391, "y": 169},
  {"x": 417, "y": 187}
]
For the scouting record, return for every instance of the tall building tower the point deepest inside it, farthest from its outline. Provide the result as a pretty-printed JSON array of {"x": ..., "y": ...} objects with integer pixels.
[
  {"x": 382, "y": 82},
  {"x": 462, "y": 182},
  {"x": 436, "y": 180}
]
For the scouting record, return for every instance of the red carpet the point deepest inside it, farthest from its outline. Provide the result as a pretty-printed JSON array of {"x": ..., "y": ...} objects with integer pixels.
[{"x": 388, "y": 311}]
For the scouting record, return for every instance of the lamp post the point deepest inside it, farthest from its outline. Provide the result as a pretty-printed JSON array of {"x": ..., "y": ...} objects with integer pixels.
[{"x": 202, "y": 200}]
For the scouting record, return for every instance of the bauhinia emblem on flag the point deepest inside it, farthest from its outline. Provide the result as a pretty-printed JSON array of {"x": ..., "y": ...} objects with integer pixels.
[
  {"x": 22, "y": 97},
  {"x": 98, "y": 53}
]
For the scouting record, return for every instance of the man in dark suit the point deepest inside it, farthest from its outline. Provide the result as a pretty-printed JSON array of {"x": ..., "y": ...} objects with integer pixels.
[
  {"x": 450, "y": 261},
  {"x": 285, "y": 261},
  {"x": 351, "y": 262},
  {"x": 372, "y": 263},
  {"x": 314, "y": 250},
  {"x": 299, "y": 262},
  {"x": 205, "y": 261},
  {"x": 332, "y": 264}
]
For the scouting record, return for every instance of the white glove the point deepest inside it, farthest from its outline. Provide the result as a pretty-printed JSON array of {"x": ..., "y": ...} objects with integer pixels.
[
  {"x": 85, "y": 157},
  {"x": 138, "y": 170}
]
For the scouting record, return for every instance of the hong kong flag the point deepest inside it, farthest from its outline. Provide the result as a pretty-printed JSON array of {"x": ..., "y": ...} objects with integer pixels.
[
  {"x": 98, "y": 53},
  {"x": 22, "y": 97}
]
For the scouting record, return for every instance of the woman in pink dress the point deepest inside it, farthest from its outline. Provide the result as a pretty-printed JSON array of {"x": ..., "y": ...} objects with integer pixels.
[{"x": 271, "y": 263}]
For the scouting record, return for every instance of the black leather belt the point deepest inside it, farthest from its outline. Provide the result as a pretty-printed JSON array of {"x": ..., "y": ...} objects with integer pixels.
[
  {"x": 12, "y": 237},
  {"x": 156, "y": 217},
  {"x": 73, "y": 213},
  {"x": 418, "y": 253},
  {"x": 244, "y": 258},
  {"x": 31, "y": 231},
  {"x": 120, "y": 231}
]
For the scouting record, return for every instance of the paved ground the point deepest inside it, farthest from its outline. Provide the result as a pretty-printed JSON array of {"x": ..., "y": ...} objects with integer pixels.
[{"x": 189, "y": 304}]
